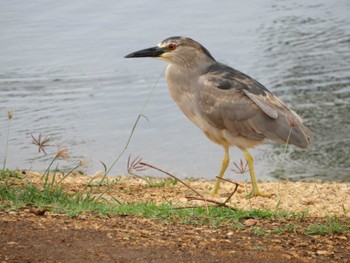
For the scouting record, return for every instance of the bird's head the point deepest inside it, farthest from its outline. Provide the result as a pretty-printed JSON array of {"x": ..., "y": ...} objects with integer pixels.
[{"x": 182, "y": 51}]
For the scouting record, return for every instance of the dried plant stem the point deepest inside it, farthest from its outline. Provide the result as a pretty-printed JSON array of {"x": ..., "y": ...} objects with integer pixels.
[
  {"x": 46, "y": 173},
  {"x": 282, "y": 163},
  {"x": 218, "y": 203},
  {"x": 215, "y": 201},
  {"x": 177, "y": 179},
  {"x": 71, "y": 171},
  {"x": 141, "y": 114},
  {"x": 172, "y": 176},
  {"x": 7, "y": 143},
  {"x": 138, "y": 165},
  {"x": 285, "y": 149},
  {"x": 234, "y": 190}
]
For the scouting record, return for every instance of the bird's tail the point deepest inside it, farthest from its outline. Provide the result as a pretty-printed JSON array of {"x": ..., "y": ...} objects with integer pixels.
[
  {"x": 286, "y": 128},
  {"x": 291, "y": 130}
]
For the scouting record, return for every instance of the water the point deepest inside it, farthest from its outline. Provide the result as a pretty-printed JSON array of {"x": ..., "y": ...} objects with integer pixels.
[{"x": 63, "y": 73}]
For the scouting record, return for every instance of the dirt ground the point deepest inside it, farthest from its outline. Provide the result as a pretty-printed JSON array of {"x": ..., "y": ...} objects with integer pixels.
[{"x": 30, "y": 237}]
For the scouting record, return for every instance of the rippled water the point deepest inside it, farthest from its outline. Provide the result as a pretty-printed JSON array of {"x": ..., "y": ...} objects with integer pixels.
[{"x": 63, "y": 73}]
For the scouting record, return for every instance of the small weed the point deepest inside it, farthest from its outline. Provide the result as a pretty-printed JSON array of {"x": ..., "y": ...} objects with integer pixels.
[
  {"x": 159, "y": 183},
  {"x": 331, "y": 226},
  {"x": 284, "y": 229},
  {"x": 53, "y": 197},
  {"x": 5, "y": 174},
  {"x": 240, "y": 168},
  {"x": 236, "y": 224},
  {"x": 104, "y": 182},
  {"x": 259, "y": 231},
  {"x": 260, "y": 248},
  {"x": 41, "y": 143}
]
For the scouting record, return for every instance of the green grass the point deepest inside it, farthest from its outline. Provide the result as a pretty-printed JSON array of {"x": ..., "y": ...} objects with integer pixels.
[
  {"x": 259, "y": 231},
  {"x": 13, "y": 197},
  {"x": 52, "y": 195},
  {"x": 260, "y": 248},
  {"x": 199, "y": 215},
  {"x": 9, "y": 174},
  {"x": 287, "y": 228},
  {"x": 17, "y": 193},
  {"x": 333, "y": 225},
  {"x": 56, "y": 199},
  {"x": 153, "y": 182}
]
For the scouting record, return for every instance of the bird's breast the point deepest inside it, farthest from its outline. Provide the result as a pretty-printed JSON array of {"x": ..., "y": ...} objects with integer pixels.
[
  {"x": 186, "y": 95},
  {"x": 183, "y": 91}
]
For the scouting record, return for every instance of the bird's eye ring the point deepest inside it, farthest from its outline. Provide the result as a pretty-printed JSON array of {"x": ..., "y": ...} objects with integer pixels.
[{"x": 171, "y": 47}]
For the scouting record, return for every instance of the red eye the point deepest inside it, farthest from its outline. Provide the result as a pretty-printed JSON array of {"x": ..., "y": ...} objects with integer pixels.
[{"x": 171, "y": 47}]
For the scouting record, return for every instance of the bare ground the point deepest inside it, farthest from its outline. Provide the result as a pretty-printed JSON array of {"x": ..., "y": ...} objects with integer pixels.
[{"x": 29, "y": 237}]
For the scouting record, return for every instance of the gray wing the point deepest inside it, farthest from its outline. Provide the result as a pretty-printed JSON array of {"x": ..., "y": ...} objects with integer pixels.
[{"x": 232, "y": 100}]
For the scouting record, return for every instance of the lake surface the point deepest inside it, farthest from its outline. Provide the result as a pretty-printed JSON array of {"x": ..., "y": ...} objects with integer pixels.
[{"x": 63, "y": 74}]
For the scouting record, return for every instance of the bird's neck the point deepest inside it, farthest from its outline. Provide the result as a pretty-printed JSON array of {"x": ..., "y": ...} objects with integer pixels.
[{"x": 187, "y": 66}]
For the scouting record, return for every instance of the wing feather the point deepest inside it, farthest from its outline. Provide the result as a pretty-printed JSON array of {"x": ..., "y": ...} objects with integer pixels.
[{"x": 232, "y": 100}]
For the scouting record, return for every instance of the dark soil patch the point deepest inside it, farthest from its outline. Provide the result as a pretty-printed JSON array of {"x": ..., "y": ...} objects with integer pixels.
[{"x": 26, "y": 237}]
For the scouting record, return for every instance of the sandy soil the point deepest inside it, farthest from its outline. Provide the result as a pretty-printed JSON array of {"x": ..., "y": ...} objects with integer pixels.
[{"x": 315, "y": 198}]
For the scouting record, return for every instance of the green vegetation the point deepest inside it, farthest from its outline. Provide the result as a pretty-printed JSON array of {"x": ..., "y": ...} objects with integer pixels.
[
  {"x": 48, "y": 193},
  {"x": 17, "y": 192},
  {"x": 156, "y": 183},
  {"x": 332, "y": 226},
  {"x": 260, "y": 248},
  {"x": 51, "y": 196},
  {"x": 287, "y": 228},
  {"x": 259, "y": 231}
]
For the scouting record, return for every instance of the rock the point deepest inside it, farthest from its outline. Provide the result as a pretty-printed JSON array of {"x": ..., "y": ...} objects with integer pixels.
[
  {"x": 250, "y": 222},
  {"x": 324, "y": 252}
]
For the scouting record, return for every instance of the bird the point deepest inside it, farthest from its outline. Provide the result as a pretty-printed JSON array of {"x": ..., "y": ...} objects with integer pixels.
[{"x": 230, "y": 107}]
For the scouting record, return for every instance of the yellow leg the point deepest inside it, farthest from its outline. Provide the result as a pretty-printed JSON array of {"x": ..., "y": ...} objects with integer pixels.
[
  {"x": 255, "y": 191},
  {"x": 224, "y": 165}
]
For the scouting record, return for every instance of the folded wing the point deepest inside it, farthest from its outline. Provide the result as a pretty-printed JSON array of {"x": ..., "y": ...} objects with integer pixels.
[{"x": 233, "y": 101}]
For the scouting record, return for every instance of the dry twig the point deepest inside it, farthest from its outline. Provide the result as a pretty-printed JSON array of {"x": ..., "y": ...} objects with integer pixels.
[{"x": 138, "y": 165}]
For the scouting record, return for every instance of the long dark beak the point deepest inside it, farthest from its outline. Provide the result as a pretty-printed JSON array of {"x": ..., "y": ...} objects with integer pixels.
[{"x": 148, "y": 52}]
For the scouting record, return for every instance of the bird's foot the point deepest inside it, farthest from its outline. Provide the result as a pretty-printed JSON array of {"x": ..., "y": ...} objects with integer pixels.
[
  {"x": 214, "y": 192},
  {"x": 255, "y": 193}
]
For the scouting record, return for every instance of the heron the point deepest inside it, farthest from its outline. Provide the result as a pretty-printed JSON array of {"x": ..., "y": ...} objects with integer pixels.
[{"x": 231, "y": 108}]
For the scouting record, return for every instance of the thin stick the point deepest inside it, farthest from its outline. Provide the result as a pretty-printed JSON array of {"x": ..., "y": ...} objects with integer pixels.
[
  {"x": 172, "y": 176},
  {"x": 217, "y": 202},
  {"x": 227, "y": 180},
  {"x": 177, "y": 179},
  {"x": 192, "y": 198},
  {"x": 285, "y": 149},
  {"x": 234, "y": 190},
  {"x": 189, "y": 207},
  {"x": 205, "y": 199}
]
